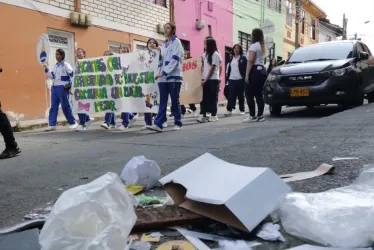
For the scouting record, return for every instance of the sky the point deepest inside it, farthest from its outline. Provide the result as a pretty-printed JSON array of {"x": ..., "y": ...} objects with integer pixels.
[{"x": 357, "y": 12}]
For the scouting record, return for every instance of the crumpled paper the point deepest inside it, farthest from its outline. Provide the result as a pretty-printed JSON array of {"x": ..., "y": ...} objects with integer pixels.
[{"x": 270, "y": 232}]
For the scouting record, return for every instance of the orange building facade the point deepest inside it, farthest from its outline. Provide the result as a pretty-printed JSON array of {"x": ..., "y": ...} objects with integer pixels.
[{"x": 24, "y": 90}]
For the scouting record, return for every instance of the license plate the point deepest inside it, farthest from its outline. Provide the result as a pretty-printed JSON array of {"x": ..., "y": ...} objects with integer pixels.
[{"x": 299, "y": 92}]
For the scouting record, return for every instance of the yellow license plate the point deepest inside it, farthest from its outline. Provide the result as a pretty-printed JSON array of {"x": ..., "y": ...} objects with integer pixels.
[{"x": 299, "y": 92}]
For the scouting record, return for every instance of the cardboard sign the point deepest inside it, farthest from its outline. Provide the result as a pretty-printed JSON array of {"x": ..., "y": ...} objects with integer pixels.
[
  {"x": 191, "y": 90},
  {"x": 321, "y": 170},
  {"x": 239, "y": 196},
  {"x": 118, "y": 83},
  {"x": 43, "y": 49}
]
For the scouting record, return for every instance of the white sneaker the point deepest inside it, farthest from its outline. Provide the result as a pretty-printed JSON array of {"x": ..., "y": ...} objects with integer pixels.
[
  {"x": 123, "y": 127},
  {"x": 195, "y": 113},
  {"x": 177, "y": 128},
  {"x": 104, "y": 125},
  {"x": 201, "y": 119},
  {"x": 242, "y": 113},
  {"x": 50, "y": 128},
  {"x": 90, "y": 122},
  {"x": 208, "y": 114},
  {"x": 136, "y": 116},
  {"x": 213, "y": 119},
  {"x": 165, "y": 125},
  {"x": 112, "y": 126},
  {"x": 155, "y": 128},
  {"x": 74, "y": 126},
  {"x": 146, "y": 127},
  {"x": 228, "y": 113},
  {"x": 250, "y": 120},
  {"x": 233, "y": 111},
  {"x": 81, "y": 128}
]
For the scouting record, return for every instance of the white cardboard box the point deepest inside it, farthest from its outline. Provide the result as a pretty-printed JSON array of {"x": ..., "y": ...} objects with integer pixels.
[{"x": 232, "y": 194}]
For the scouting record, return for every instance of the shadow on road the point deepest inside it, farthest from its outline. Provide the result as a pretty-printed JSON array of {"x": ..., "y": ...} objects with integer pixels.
[{"x": 316, "y": 112}]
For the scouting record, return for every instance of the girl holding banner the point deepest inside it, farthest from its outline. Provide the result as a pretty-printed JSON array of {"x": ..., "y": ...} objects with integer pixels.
[
  {"x": 61, "y": 74},
  {"x": 84, "y": 119},
  {"x": 170, "y": 79},
  {"x": 152, "y": 44}
]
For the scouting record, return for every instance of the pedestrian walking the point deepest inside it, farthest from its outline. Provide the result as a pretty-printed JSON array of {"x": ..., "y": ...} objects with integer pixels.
[
  {"x": 255, "y": 77},
  {"x": 84, "y": 119},
  {"x": 11, "y": 146},
  {"x": 272, "y": 65},
  {"x": 210, "y": 81},
  {"x": 236, "y": 70},
  {"x": 61, "y": 74},
  {"x": 152, "y": 44},
  {"x": 128, "y": 119},
  {"x": 170, "y": 79}
]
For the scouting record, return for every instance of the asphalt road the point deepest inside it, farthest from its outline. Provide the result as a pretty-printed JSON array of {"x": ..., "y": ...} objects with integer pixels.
[{"x": 297, "y": 141}]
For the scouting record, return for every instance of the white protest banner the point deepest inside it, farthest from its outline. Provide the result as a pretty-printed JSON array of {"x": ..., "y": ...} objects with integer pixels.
[
  {"x": 118, "y": 83},
  {"x": 191, "y": 90},
  {"x": 43, "y": 49}
]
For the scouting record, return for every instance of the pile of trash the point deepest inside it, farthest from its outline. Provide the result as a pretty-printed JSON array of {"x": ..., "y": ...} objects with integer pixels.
[{"x": 235, "y": 208}]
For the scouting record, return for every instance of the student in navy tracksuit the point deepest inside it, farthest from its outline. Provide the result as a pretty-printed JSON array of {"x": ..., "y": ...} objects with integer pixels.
[
  {"x": 84, "y": 119},
  {"x": 255, "y": 77},
  {"x": 170, "y": 79},
  {"x": 235, "y": 75},
  {"x": 61, "y": 75}
]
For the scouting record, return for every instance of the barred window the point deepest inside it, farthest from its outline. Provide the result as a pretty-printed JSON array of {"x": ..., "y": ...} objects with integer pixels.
[
  {"x": 245, "y": 40},
  {"x": 162, "y": 3},
  {"x": 275, "y": 5},
  {"x": 58, "y": 39},
  {"x": 289, "y": 12}
]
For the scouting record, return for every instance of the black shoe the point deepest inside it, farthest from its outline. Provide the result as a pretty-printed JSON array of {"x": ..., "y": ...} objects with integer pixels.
[
  {"x": 260, "y": 118},
  {"x": 10, "y": 152},
  {"x": 171, "y": 115}
]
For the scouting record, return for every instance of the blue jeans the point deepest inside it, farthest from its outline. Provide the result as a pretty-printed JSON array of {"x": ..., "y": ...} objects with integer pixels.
[
  {"x": 166, "y": 89},
  {"x": 60, "y": 95}
]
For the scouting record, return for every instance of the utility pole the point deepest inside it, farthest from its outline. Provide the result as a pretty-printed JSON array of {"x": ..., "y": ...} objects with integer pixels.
[{"x": 297, "y": 21}]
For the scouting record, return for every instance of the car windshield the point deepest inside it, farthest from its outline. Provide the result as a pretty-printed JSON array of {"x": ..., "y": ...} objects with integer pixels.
[{"x": 322, "y": 52}]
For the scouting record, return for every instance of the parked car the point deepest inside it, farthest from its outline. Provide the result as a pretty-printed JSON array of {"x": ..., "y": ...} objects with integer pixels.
[{"x": 338, "y": 72}]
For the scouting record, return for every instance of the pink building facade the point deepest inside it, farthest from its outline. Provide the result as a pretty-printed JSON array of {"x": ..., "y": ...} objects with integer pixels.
[{"x": 217, "y": 19}]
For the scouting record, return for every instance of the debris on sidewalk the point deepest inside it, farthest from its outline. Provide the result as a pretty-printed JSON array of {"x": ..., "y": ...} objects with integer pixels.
[
  {"x": 132, "y": 189},
  {"x": 310, "y": 247},
  {"x": 270, "y": 232},
  {"x": 141, "y": 172},
  {"x": 230, "y": 245},
  {"x": 36, "y": 216},
  {"x": 341, "y": 217},
  {"x": 163, "y": 217},
  {"x": 150, "y": 238},
  {"x": 321, "y": 170},
  {"x": 96, "y": 216},
  {"x": 144, "y": 200},
  {"x": 231, "y": 193},
  {"x": 344, "y": 158},
  {"x": 177, "y": 245},
  {"x": 140, "y": 245}
]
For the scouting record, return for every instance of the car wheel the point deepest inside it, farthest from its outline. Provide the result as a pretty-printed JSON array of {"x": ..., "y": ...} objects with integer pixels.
[{"x": 275, "y": 110}]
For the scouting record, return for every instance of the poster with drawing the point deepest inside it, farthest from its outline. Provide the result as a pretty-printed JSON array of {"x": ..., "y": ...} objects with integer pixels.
[
  {"x": 118, "y": 83},
  {"x": 191, "y": 90}
]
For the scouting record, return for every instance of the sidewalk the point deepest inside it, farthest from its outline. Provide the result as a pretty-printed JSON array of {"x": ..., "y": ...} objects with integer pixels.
[{"x": 25, "y": 125}]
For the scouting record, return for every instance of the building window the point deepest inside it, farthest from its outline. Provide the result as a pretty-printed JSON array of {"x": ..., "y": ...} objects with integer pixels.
[
  {"x": 58, "y": 39},
  {"x": 302, "y": 18},
  {"x": 289, "y": 13},
  {"x": 244, "y": 40},
  {"x": 313, "y": 28},
  {"x": 114, "y": 47},
  {"x": 275, "y": 5},
  {"x": 209, "y": 30},
  {"x": 162, "y": 3}
]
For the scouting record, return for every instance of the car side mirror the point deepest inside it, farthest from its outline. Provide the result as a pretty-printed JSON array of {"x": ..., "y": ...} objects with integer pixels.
[
  {"x": 281, "y": 62},
  {"x": 363, "y": 56}
]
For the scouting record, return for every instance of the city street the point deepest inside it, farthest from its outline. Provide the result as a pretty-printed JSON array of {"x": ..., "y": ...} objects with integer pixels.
[{"x": 296, "y": 141}]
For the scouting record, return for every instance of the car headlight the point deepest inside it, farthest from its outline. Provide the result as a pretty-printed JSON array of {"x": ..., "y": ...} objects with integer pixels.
[{"x": 341, "y": 72}]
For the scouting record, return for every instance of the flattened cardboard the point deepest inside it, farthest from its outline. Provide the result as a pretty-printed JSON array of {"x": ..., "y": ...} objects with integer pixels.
[
  {"x": 310, "y": 247},
  {"x": 232, "y": 194},
  {"x": 321, "y": 170}
]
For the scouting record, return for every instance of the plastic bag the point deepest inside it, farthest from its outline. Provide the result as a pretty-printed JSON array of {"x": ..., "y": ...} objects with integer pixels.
[
  {"x": 95, "y": 216},
  {"x": 341, "y": 217},
  {"x": 141, "y": 172}
]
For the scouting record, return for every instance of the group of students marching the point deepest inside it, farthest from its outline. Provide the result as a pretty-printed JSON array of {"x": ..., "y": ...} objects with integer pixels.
[{"x": 245, "y": 74}]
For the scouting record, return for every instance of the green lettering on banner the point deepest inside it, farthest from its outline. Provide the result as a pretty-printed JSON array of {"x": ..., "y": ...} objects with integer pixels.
[
  {"x": 89, "y": 94},
  {"x": 102, "y": 106},
  {"x": 139, "y": 78}
]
